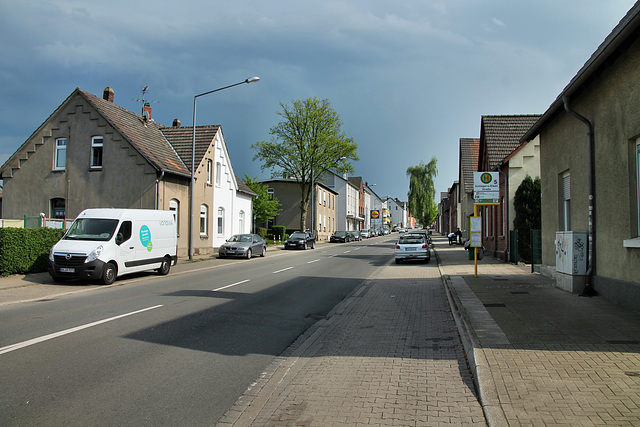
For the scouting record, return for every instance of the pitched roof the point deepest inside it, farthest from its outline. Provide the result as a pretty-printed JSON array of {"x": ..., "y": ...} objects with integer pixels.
[
  {"x": 146, "y": 136},
  {"x": 500, "y": 135},
  {"x": 243, "y": 187},
  {"x": 469, "y": 149},
  {"x": 615, "y": 42},
  {"x": 181, "y": 138}
]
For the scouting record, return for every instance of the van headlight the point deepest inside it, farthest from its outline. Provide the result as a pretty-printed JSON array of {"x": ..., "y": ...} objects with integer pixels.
[
  {"x": 94, "y": 254},
  {"x": 51, "y": 255}
]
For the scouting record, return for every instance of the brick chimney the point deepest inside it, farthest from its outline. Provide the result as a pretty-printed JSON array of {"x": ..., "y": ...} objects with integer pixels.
[
  {"x": 176, "y": 123},
  {"x": 107, "y": 95},
  {"x": 146, "y": 111}
]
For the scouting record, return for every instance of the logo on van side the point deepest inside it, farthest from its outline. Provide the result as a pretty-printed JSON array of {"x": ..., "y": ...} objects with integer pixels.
[{"x": 145, "y": 237}]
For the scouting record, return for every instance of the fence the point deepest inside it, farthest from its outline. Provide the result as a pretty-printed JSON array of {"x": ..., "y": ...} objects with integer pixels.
[
  {"x": 536, "y": 249},
  {"x": 35, "y": 222}
]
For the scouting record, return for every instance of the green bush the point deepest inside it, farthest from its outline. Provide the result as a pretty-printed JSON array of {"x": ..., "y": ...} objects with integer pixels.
[
  {"x": 26, "y": 250},
  {"x": 279, "y": 230},
  {"x": 262, "y": 232}
]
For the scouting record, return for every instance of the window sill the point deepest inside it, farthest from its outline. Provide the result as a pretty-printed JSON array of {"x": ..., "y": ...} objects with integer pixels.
[
  {"x": 631, "y": 243},
  {"x": 95, "y": 169}
]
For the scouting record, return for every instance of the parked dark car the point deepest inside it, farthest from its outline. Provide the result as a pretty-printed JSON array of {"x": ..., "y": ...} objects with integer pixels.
[
  {"x": 355, "y": 235},
  {"x": 340, "y": 237},
  {"x": 243, "y": 245},
  {"x": 300, "y": 240}
]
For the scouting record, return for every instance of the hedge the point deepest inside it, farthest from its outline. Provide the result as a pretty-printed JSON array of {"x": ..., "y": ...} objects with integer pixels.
[{"x": 26, "y": 250}]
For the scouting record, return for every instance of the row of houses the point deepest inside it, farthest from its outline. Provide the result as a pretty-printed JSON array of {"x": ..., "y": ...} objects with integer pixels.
[
  {"x": 92, "y": 153},
  {"x": 586, "y": 150},
  {"x": 339, "y": 203}
]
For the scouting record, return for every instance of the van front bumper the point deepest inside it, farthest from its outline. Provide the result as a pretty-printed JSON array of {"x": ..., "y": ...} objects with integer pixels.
[{"x": 73, "y": 271}]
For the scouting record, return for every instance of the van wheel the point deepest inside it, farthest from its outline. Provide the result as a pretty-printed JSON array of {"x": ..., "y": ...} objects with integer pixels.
[
  {"x": 248, "y": 253},
  {"x": 109, "y": 274},
  {"x": 165, "y": 266}
]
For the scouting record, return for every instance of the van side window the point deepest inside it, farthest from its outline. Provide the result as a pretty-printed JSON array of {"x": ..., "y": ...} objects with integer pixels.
[{"x": 124, "y": 233}]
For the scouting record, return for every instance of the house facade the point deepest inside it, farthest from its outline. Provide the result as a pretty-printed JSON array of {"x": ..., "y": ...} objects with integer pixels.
[
  {"x": 499, "y": 137},
  {"x": 322, "y": 213},
  {"x": 590, "y": 168},
  {"x": 91, "y": 153},
  {"x": 347, "y": 200},
  {"x": 468, "y": 164}
]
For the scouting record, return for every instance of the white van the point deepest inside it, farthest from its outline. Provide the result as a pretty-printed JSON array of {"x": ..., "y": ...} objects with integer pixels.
[{"x": 105, "y": 243}]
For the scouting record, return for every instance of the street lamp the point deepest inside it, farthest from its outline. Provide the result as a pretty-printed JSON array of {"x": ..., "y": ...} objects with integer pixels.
[{"x": 193, "y": 155}]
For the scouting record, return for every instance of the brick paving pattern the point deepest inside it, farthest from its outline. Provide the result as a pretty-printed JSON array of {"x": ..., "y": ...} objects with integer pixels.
[{"x": 389, "y": 356}]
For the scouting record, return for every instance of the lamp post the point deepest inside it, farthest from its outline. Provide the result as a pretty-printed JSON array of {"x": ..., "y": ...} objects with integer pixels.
[{"x": 193, "y": 155}]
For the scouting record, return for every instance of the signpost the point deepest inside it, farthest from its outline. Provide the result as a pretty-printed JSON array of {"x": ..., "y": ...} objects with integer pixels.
[{"x": 486, "y": 192}]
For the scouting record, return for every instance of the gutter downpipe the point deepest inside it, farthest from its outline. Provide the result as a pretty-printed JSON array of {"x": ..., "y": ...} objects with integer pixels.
[{"x": 588, "y": 289}]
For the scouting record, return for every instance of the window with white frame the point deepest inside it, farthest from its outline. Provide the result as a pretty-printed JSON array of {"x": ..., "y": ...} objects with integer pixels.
[
  {"x": 97, "y": 144},
  {"x": 60, "y": 155},
  {"x": 220, "y": 220},
  {"x": 218, "y": 173},
  {"x": 209, "y": 171},
  {"x": 203, "y": 220},
  {"x": 241, "y": 222},
  {"x": 270, "y": 193},
  {"x": 174, "y": 207}
]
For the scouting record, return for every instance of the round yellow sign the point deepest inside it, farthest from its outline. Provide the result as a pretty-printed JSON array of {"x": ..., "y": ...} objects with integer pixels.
[{"x": 375, "y": 214}]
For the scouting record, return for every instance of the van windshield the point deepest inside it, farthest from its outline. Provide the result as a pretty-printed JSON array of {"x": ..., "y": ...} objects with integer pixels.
[{"x": 91, "y": 229}]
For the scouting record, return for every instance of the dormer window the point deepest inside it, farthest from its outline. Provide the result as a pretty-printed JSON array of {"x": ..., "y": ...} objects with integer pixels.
[{"x": 97, "y": 143}]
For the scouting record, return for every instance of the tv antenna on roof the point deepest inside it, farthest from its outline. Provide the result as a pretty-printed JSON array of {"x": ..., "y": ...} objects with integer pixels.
[{"x": 144, "y": 102}]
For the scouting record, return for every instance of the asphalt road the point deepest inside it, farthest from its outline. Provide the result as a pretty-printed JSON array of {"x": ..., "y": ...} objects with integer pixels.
[{"x": 172, "y": 350}]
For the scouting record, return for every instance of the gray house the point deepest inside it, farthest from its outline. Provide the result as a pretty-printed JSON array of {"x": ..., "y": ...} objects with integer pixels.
[
  {"x": 93, "y": 153},
  {"x": 590, "y": 170}
]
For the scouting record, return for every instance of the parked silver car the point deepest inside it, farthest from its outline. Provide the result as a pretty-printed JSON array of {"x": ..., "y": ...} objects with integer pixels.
[
  {"x": 365, "y": 233},
  {"x": 412, "y": 247},
  {"x": 243, "y": 245}
]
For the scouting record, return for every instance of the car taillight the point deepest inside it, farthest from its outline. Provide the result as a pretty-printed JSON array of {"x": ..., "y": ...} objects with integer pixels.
[
  {"x": 397, "y": 246},
  {"x": 424, "y": 246}
]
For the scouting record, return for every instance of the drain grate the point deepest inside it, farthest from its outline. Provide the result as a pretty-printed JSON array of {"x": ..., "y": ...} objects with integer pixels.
[
  {"x": 519, "y": 293},
  {"x": 497, "y": 304}
]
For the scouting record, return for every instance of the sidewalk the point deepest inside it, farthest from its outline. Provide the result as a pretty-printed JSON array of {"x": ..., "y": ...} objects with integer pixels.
[
  {"x": 543, "y": 356},
  {"x": 385, "y": 356}
]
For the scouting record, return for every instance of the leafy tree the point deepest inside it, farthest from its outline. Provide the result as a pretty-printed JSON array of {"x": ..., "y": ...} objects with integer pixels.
[
  {"x": 263, "y": 207},
  {"x": 527, "y": 204},
  {"x": 306, "y": 143},
  {"x": 422, "y": 191}
]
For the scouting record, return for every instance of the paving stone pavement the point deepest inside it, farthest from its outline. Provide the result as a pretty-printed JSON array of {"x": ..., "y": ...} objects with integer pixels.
[
  {"x": 388, "y": 355},
  {"x": 542, "y": 356}
]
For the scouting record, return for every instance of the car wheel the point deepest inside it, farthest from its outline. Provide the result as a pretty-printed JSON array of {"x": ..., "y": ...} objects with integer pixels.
[
  {"x": 304, "y": 246},
  {"x": 248, "y": 253},
  {"x": 313, "y": 245},
  {"x": 165, "y": 266},
  {"x": 264, "y": 251},
  {"x": 109, "y": 273},
  {"x": 398, "y": 261},
  {"x": 427, "y": 260}
]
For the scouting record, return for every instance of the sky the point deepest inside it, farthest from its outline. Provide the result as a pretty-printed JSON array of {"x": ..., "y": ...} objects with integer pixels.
[{"x": 408, "y": 79}]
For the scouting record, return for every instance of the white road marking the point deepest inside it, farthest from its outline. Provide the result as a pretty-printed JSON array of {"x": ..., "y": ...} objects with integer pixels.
[
  {"x": 228, "y": 286},
  {"x": 23, "y": 344},
  {"x": 346, "y": 252},
  {"x": 311, "y": 262},
  {"x": 284, "y": 269}
]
